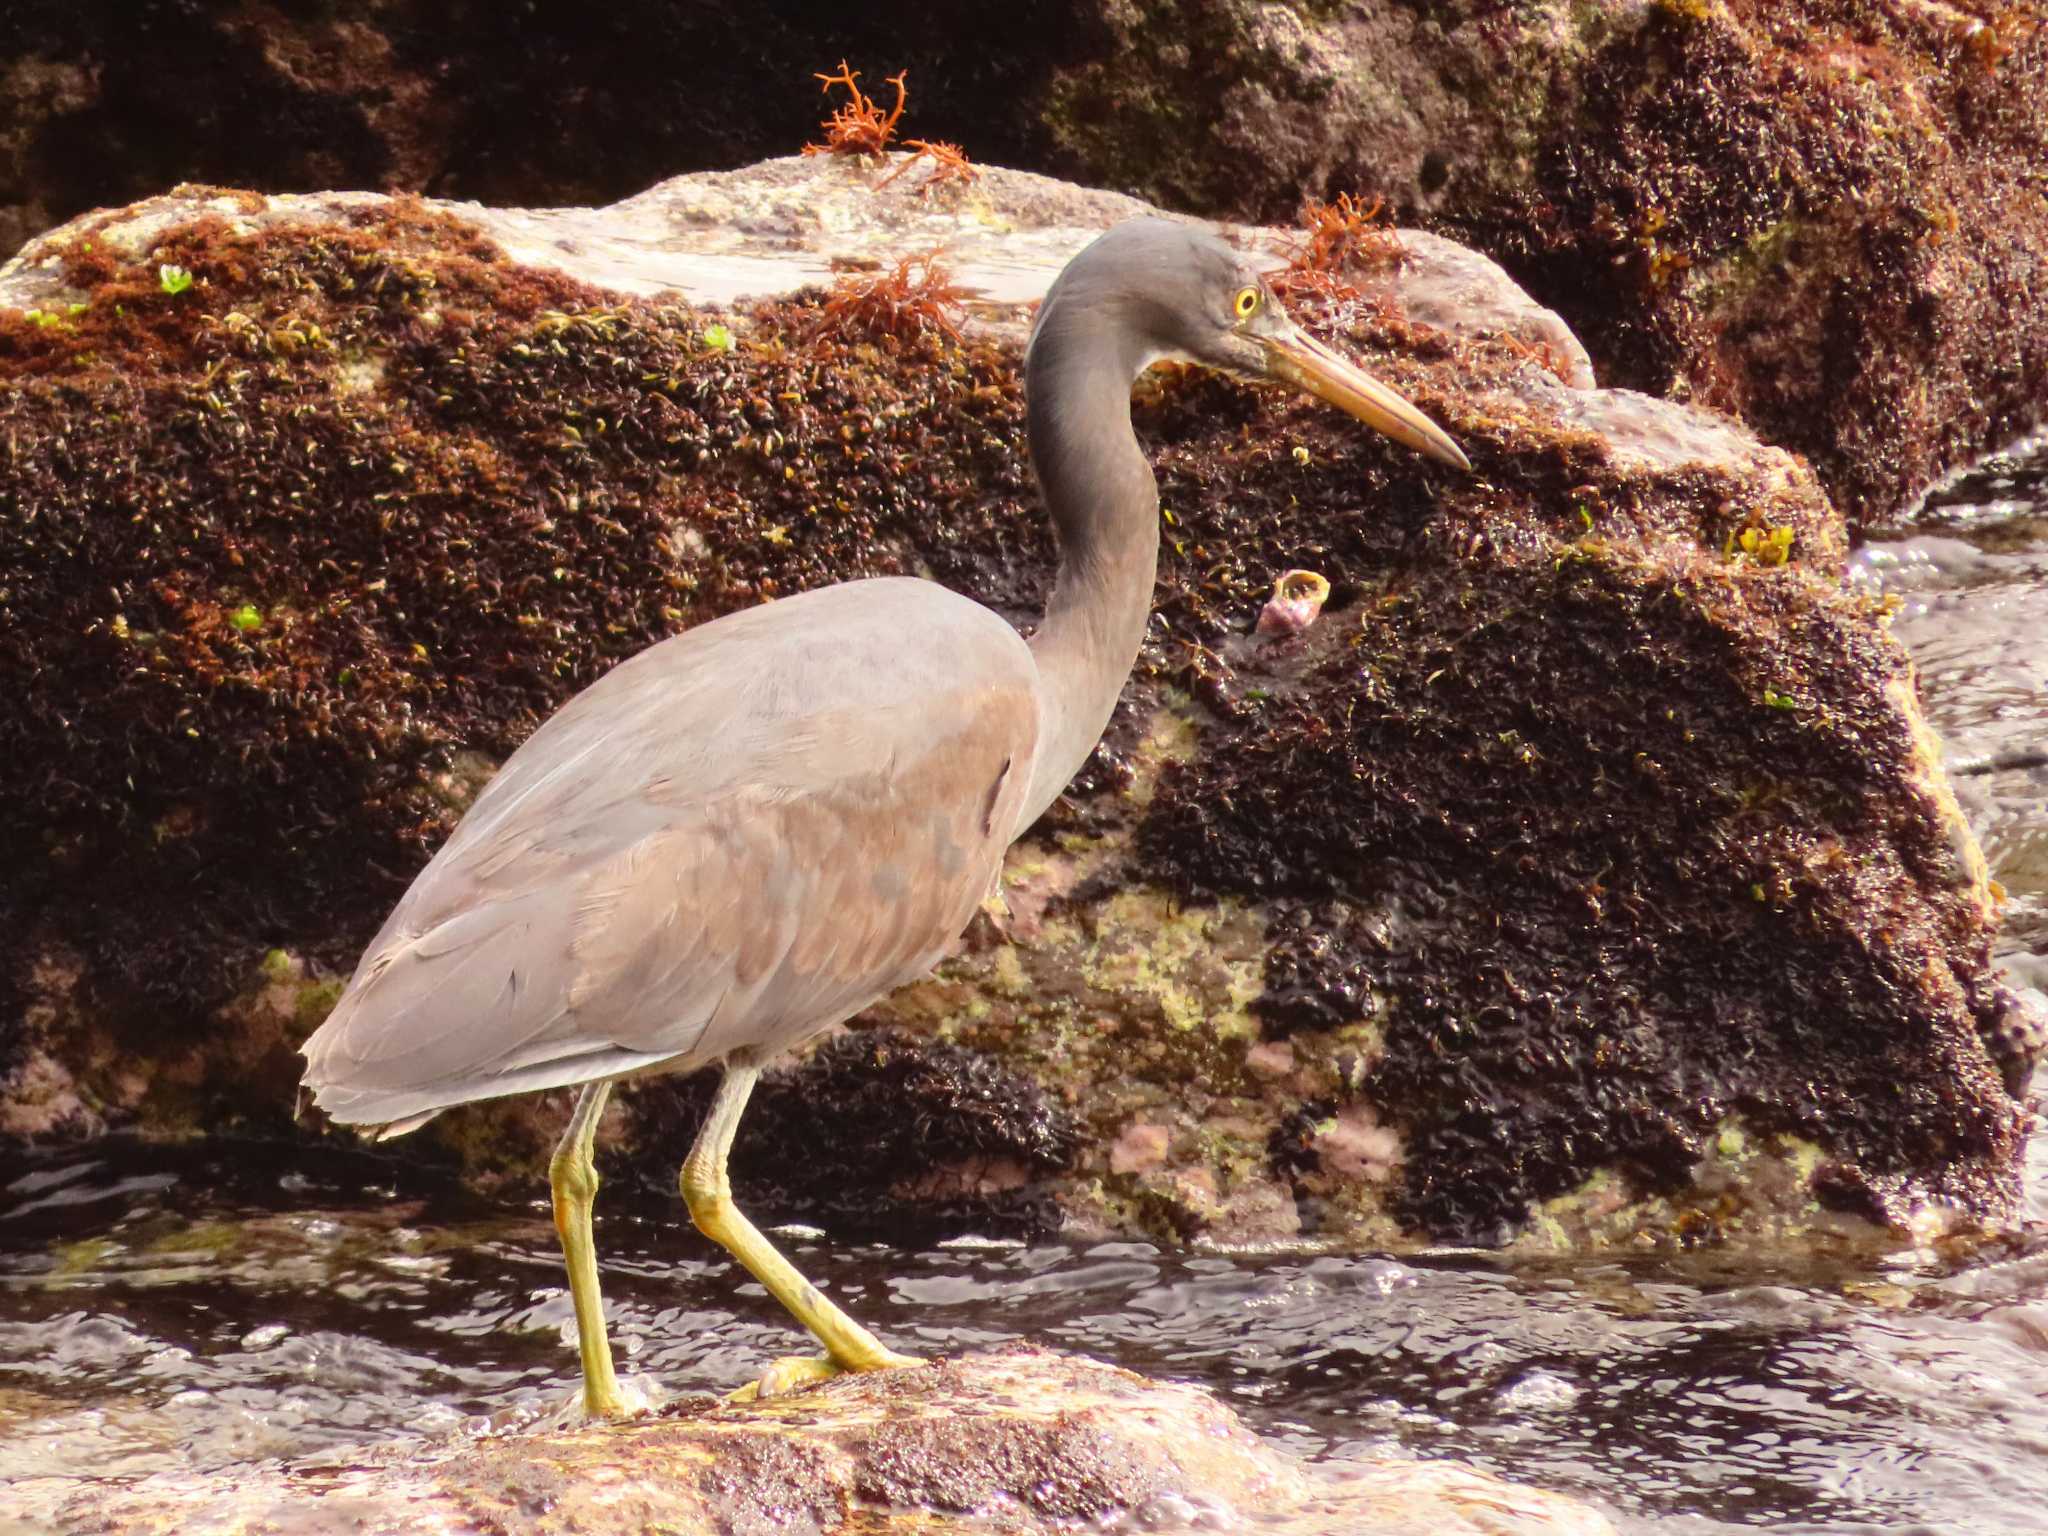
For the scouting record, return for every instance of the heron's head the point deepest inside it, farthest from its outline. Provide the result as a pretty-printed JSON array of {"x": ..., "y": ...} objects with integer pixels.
[{"x": 1176, "y": 291}]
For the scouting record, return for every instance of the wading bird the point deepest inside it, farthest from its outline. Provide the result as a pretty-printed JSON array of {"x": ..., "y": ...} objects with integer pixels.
[{"x": 748, "y": 833}]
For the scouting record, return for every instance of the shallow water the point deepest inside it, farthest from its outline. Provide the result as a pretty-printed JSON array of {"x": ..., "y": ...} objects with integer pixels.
[
  {"x": 202, "y": 1310},
  {"x": 1971, "y": 567},
  {"x": 211, "y": 1306}
]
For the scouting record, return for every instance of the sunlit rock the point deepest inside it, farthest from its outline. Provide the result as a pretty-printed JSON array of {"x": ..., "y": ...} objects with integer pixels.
[
  {"x": 1830, "y": 227},
  {"x": 1026, "y": 1442}
]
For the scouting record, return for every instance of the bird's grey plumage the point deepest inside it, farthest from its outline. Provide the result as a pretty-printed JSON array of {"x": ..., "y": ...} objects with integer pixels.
[{"x": 742, "y": 835}]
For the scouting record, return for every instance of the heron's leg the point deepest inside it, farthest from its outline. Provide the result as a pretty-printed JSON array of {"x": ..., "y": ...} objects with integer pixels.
[
  {"x": 848, "y": 1346},
  {"x": 573, "y": 1177}
]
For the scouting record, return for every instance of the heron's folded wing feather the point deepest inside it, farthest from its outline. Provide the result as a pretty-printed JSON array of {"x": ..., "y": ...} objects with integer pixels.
[{"x": 623, "y": 911}]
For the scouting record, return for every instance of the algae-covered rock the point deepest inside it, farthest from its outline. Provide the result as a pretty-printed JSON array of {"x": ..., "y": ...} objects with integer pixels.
[
  {"x": 1018, "y": 1442},
  {"x": 1582, "y": 875},
  {"x": 1826, "y": 216}
]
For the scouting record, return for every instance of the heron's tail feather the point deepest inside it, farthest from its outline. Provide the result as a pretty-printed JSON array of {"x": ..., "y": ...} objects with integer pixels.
[{"x": 396, "y": 1111}]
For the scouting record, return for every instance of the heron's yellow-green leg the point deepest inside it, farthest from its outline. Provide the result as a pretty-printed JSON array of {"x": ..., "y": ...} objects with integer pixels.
[
  {"x": 848, "y": 1346},
  {"x": 573, "y": 1178}
]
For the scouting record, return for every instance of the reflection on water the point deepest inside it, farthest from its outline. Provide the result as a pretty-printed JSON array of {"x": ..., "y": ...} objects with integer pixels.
[{"x": 171, "y": 1309}]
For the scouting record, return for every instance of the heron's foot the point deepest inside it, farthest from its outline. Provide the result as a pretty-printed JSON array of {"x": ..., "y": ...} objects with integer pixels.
[
  {"x": 795, "y": 1371},
  {"x": 633, "y": 1398}
]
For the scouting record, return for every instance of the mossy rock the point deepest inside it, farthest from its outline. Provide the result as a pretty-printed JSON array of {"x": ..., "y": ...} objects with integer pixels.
[
  {"x": 1628, "y": 160},
  {"x": 1591, "y": 824}
]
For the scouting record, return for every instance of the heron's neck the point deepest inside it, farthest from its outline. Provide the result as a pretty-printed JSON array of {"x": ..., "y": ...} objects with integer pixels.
[{"x": 1105, "y": 512}]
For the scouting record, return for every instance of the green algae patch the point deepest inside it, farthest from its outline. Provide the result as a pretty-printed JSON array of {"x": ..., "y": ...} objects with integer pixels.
[
  {"x": 208, "y": 1239},
  {"x": 1199, "y": 967},
  {"x": 1761, "y": 1191},
  {"x": 313, "y": 1002},
  {"x": 84, "y": 1260}
]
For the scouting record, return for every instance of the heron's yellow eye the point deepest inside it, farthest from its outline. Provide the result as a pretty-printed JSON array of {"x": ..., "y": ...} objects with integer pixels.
[{"x": 1247, "y": 303}]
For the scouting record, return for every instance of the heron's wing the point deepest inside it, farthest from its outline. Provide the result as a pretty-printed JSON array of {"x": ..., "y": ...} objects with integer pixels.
[{"x": 740, "y": 836}]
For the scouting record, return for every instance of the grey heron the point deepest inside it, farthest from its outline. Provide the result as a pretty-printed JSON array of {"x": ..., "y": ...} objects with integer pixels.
[{"x": 749, "y": 832}]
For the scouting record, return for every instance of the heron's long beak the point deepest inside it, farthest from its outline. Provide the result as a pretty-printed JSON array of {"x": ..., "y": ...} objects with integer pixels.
[{"x": 1306, "y": 363}]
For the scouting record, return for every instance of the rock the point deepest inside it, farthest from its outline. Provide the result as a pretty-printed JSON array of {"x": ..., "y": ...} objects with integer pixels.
[
  {"x": 1028, "y": 1442},
  {"x": 1823, "y": 233},
  {"x": 1829, "y": 221},
  {"x": 105, "y": 107},
  {"x": 1821, "y": 221},
  {"x": 1584, "y": 877}
]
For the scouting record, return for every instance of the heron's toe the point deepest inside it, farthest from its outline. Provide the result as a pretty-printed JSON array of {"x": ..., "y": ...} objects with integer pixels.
[
  {"x": 795, "y": 1371},
  {"x": 633, "y": 1398}
]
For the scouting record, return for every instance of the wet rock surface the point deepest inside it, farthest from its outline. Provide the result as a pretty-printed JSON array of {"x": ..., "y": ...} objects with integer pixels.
[
  {"x": 1582, "y": 876},
  {"x": 1022, "y": 1441}
]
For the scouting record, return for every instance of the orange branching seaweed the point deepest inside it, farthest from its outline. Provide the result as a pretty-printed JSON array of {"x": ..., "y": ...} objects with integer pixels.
[
  {"x": 1541, "y": 353},
  {"x": 858, "y": 127},
  {"x": 949, "y": 163},
  {"x": 1297, "y": 285},
  {"x": 1337, "y": 235},
  {"x": 895, "y": 303},
  {"x": 1345, "y": 233}
]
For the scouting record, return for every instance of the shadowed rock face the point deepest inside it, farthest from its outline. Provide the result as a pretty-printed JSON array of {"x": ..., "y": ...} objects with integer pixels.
[
  {"x": 1026, "y": 1441},
  {"x": 1583, "y": 875},
  {"x": 1826, "y": 217}
]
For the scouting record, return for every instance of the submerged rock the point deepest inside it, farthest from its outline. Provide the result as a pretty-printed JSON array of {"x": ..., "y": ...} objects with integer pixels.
[
  {"x": 1025, "y": 1442},
  {"x": 1584, "y": 876}
]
